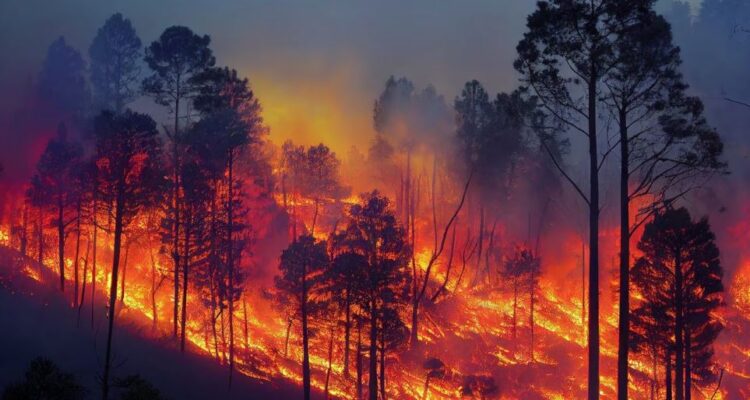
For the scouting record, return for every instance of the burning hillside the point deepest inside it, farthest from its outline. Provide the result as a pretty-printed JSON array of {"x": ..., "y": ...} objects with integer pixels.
[{"x": 542, "y": 243}]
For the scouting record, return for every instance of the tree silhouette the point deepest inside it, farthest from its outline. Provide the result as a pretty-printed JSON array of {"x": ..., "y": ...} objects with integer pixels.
[
  {"x": 230, "y": 123},
  {"x": 302, "y": 265},
  {"x": 115, "y": 55},
  {"x": 176, "y": 59},
  {"x": 666, "y": 146},
  {"x": 373, "y": 232},
  {"x": 128, "y": 153},
  {"x": 57, "y": 187},
  {"x": 679, "y": 276},
  {"x": 62, "y": 81},
  {"x": 563, "y": 57}
]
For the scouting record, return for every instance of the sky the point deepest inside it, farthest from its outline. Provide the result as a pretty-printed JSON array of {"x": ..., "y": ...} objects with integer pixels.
[{"x": 316, "y": 66}]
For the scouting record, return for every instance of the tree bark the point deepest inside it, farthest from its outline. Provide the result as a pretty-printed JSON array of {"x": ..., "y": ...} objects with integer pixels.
[
  {"x": 119, "y": 207},
  {"x": 305, "y": 354},
  {"x": 624, "y": 311},
  {"x": 688, "y": 366},
  {"x": 61, "y": 241},
  {"x": 230, "y": 263},
  {"x": 347, "y": 329},
  {"x": 77, "y": 254},
  {"x": 678, "y": 330},
  {"x": 185, "y": 272},
  {"x": 373, "y": 382},
  {"x": 593, "y": 342}
]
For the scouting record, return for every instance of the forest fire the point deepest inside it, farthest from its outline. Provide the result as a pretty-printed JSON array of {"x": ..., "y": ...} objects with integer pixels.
[{"x": 546, "y": 242}]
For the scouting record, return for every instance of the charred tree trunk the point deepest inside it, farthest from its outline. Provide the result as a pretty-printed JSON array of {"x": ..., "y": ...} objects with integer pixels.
[
  {"x": 678, "y": 331},
  {"x": 688, "y": 366},
  {"x": 230, "y": 263},
  {"x": 83, "y": 286},
  {"x": 124, "y": 272},
  {"x": 40, "y": 237},
  {"x": 244, "y": 317},
  {"x": 61, "y": 240},
  {"x": 76, "y": 261},
  {"x": 373, "y": 382},
  {"x": 93, "y": 267},
  {"x": 382, "y": 364},
  {"x": 305, "y": 354},
  {"x": 330, "y": 362},
  {"x": 624, "y": 320},
  {"x": 359, "y": 361},
  {"x": 532, "y": 299},
  {"x": 154, "y": 310},
  {"x": 515, "y": 309},
  {"x": 119, "y": 208},
  {"x": 593, "y": 339},
  {"x": 185, "y": 272},
  {"x": 176, "y": 209},
  {"x": 347, "y": 330},
  {"x": 24, "y": 229},
  {"x": 286, "y": 341}
]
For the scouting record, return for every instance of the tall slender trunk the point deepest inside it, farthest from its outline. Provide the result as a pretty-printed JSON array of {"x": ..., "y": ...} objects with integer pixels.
[
  {"x": 40, "y": 237},
  {"x": 230, "y": 263},
  {"x": 531, "y": 309},
  {"x": 119, "y": 208},
  {"x": 373, "y": 382},
  {"x": 77, "y": 254},
  {"x": 24, "y": 229},
  {"x": 515, "y": 309},
  {"x": 359, "y": 360},
  {"x": 61, "y": 241},
  {"x": 624, "y": 320},
  {"x": 688, "y": 366},
  {"x": 286, "y": 341},
  {"x": 583, "y": 287},
  {"x": 678, "y": 330},
  {"x": 593, "y": 339},
  {"x": 124, "y": 272},
  {"x": 330, "y": 361},
  {"x": 315, "y": 216},
  {"x": 176, "y": 222},
  {"x": 83, "y": 286},
  {"x": 154, "y": 310},
  {"x": 185, "y": 272},
  {"x": 382, "y": 364},
  {"x": 305, "y": 353},
  {"x": 244, "y": 317},
  {"x": 347, "y": 329},
  {"x": 93, "y": 267}
]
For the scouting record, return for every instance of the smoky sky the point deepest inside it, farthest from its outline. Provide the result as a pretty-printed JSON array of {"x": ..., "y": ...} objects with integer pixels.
[{"x": 316, "y": 66}]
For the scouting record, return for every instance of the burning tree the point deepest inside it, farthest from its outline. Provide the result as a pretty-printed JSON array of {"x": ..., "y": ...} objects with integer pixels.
[
  {"x": 563, "y": 57},
  {"x": 56, "y": 186},
  {"x": 310, "y": 174},
  {"x": 230, "y": 124},
  {"x": 679, "y": 276},
  {"x": 373, "y": 233},
  {"x": 523, "y": 267},
  {"x": 666, "y": 145},
  {"x": 176, "y": 59},
  {"x": 128, "y": 160},
  {"x": 302, "y": 265}
]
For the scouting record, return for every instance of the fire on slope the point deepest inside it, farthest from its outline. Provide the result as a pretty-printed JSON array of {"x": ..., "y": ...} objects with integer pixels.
[{"x": 469, "y": 329}]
